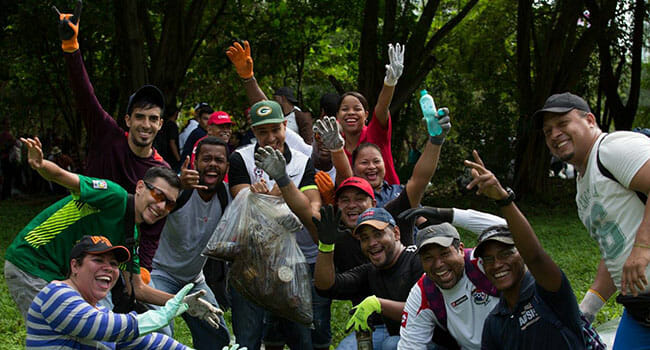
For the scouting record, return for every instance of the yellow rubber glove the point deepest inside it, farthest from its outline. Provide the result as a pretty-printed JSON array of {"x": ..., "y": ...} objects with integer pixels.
[
  {"x": 361, "y": 313},
  {"x": 241, "y": 58},
  {"x": 69, "y": 28}
]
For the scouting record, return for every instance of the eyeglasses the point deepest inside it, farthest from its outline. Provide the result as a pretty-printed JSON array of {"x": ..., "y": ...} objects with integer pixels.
[
  {"x": 160, "y": 196},
  {"x": 502, "y": 255}
]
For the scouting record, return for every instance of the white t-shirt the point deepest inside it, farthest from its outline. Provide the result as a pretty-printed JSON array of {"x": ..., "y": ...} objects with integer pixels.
[
  {"x": 291, "y": 119},
  {"x": 182, "y": 137},
  {"x": 610, "y": 212},
  {"x": 466, "y": 308},
  {"x": 185, "y": 234}
]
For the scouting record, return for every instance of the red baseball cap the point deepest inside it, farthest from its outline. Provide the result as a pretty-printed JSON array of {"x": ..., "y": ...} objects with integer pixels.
[
  {"x": 356, "y": 182},
  {"x": 218, "y": 118}
]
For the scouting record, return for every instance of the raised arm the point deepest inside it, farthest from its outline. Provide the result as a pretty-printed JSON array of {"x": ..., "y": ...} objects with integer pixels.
[
  {"x": 304, "y": 202},
  {"x": 50, "y": 171},
  {"x": 243, "y": 62},
  {"x": 427, "y": 163},
  {"x": 547, "y": 274},
  {"x": 393, "y": 72},
  {"x": 328, "y": 132},
  {"x": 328, "y": 233}
]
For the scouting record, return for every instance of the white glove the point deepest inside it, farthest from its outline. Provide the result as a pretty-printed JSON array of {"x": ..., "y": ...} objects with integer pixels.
[
  {"x": 330, "y": 136},
  {"x": 200, "y": 308},
  {"x": 234, "y": 347},
  {"x": 273, "y": 163},
  {"x": 396, "y": 64}
]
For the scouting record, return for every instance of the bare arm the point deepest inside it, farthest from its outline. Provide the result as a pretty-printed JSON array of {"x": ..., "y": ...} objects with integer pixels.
[
  {"x": 324, "y": 274},
  {"x": 422, "y": 173},
  {"x": 547, "y": 274},
  {"x": 50, "y": 171},
  {"x": 633, "y": 278},
  {"x": 304, "y": 204},
  {"x": 342, "y": 165},
  {"x": 234, "y": 190},
  {"x": 391, "y": 308},
  {"x": 383, "y": 103},
  {"x": 144, "y": 292},
  {"x": 253, "y": 91}
]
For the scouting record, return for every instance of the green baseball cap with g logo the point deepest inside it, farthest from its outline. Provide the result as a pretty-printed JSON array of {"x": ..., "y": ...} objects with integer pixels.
[{"x": 266, "y": 112}]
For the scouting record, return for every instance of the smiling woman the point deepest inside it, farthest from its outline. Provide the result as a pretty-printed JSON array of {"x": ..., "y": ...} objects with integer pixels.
[{"x": 63, "y": 312}]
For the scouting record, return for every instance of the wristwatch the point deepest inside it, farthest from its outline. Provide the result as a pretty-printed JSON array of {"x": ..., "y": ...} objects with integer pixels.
[{"x": 507, "y": 200}]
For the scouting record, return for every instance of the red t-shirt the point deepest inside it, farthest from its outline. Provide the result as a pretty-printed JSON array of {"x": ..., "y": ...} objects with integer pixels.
[{"x": 375, "y": 133}]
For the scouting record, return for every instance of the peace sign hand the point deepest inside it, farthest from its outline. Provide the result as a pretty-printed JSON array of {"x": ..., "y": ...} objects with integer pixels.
[
  {"x": 487, "y": 183},
  {"x": 190, "y": 177}
]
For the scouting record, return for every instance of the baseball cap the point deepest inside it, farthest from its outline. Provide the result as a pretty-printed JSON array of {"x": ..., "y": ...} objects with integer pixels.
[
  {"x": 218, "y": 118},
  {"x": 498, "y": 233},
  {"x": 378, "y": 218},
  {"x": 442, "y": 234},
  {"x": 286, "y": 92},
  {"x": 99, "y": 245},
  {"x": 559, "y": 103},
  {"x": 266, "y": 112},
  {"x": 150, "y": 92},
  {"x": 356, "y": 182}
]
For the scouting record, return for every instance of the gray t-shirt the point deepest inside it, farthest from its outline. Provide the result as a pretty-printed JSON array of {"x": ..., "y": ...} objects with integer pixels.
[{"x": 186, "y": 233}]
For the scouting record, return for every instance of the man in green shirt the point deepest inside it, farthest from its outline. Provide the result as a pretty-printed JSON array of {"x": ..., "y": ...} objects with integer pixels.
[{"x": 40, "y": 251}]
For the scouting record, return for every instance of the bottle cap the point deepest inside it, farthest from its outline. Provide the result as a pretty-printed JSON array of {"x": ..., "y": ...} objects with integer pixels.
[{"x": 423, "y": 92}]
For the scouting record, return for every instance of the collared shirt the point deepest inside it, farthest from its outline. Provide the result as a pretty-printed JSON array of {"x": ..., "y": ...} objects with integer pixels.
[
  {"x": 387, "y": 193},
  {"x": 524, "y": 328}
]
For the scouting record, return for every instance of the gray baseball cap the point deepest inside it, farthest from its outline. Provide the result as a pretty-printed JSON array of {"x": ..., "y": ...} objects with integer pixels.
[{"x": 442, "y": 234}]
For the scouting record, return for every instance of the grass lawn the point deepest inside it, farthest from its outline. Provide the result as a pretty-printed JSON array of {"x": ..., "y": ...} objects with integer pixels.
[{"x": 558, "y": 227}]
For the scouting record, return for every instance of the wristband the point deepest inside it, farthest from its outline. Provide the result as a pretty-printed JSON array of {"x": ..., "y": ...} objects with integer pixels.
[
  {"x": 283, "y": 181},
  {"x": 640, "y": 245},
  {"x": 325, "y": 248},
  {"x": 246, "y": 80},
  {"x": 509, "y": 199}
]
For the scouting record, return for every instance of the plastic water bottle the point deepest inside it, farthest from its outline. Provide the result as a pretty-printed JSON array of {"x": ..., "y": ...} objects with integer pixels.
[
  {"x": 364, "y": 340},
  {"x": 430, "y": 113}
]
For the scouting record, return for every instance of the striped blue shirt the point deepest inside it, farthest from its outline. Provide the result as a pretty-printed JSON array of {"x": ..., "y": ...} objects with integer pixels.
[{"x": 59, "y": 318}]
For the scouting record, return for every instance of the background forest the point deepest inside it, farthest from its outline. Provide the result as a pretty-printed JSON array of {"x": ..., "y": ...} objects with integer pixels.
[{"x": 493, "y": 63}]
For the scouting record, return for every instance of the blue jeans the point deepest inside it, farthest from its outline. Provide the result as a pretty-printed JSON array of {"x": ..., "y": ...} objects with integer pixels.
[
  {"x": 204, "y": 336},
  {"x": 381, "y": 340},
  {"x": 631, "y": 335},
  {"x": 251, "y": 323}
]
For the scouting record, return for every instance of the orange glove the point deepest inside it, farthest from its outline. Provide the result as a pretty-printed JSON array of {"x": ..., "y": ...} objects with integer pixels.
[
  {"x": 69, "y": 28},
  {"x": 325, "y": 187},
  {"x": 241, "y": 58},
  {"x": 145, "y": 275}
]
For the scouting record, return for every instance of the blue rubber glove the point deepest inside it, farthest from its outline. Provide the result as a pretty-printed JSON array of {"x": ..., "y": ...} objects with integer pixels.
[
  {"x": 155, "y": 319},
  {"x": 361, "y": 313}
]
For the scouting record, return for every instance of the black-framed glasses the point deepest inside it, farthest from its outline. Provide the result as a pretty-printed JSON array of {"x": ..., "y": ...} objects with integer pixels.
[
  {"x": 160, "y": 196},
  {"x": 501, "y": 255}
]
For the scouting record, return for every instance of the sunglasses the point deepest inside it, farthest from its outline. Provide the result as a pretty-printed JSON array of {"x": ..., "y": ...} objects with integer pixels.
[{"x": 160, "y": 196}]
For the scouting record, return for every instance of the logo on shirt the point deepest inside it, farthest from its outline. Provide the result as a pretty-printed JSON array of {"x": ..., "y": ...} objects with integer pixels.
[
  {"x": 405, "y": 317},
  {"x": 528, "y": 316},
  {"x": 480, "y": 297},
  {"x": 459, "y": 301},
  {"x": 100, "y": 184},
  {"x": 258, "y": 172}
]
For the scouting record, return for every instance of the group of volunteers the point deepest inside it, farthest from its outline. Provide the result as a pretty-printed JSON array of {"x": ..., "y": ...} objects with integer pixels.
[{"x": 112, "y": 264}]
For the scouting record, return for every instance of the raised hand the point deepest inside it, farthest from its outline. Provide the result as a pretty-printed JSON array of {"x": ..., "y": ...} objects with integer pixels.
[
  {"x": 69, "y": 28},
  {"x": 34, "y": 152},
  {"x": 155, "y": 319},
  {"x": 434, "y": 216},
  {"x": 325, "y": 186},
  {"x": 202, "y": 309},
  {"x": 190, "y": 177},
  {"x": 273, "y": 163},
  {"x": 241, "y": 58},
  {"x": 328, "y": 227},
  {"x": 396, "y": 64},
  {"x": 327, "y": 129},
  {"x": 445, "y": 125},
  {"x": 487, "y": 183}
]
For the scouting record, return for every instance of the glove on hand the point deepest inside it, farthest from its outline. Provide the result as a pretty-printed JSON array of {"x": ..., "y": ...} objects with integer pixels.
[
  {"x": 202, "y": 309},
  {"x": 155, "y": 319},
  {"x": 325, "y": 187},
  {"x": 241, "y": 58},
  {"x": 445, "y": 124},
  {"x": 328, "y": 225},
  {"x": 433, "y": 215},
  {"x": 328, "y": 131},
  {"x": 396, "y": 66},
  {"x": 361, "y": 313},
  {"x": 69, "y": 28},
  {"x": 273, "y": 163}
]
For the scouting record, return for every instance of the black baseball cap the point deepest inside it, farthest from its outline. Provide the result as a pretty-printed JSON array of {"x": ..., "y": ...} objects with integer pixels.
[
  {"x": 286, "y": 92},
  {"x": 497, "y": 233},
  {"x": 560, "y": 104},
  {"x": 152, "y": 93},
  {"x": 99, "y": 245}
]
